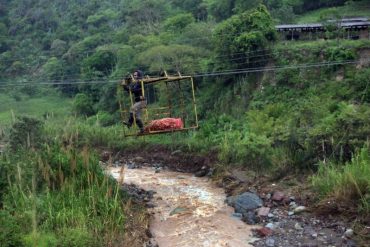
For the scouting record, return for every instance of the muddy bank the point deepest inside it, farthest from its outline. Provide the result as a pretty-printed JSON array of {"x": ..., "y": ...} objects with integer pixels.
[{"x": 176, "y": 160}]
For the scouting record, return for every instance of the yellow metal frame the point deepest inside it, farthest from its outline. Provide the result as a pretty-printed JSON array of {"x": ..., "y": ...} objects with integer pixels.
[{"x": 155, "y": 80}]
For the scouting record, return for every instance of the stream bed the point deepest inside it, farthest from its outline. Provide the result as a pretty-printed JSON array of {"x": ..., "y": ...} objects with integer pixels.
[{"x": 188, "y": 211}]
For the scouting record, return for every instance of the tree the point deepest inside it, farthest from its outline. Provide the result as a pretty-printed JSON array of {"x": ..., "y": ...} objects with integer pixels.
[
  {"x": 143, "y": 16},
  {"x": 243, "y": 5},
  {"x": 196, "y": 7},
  {"x": 241, "y": 34},
  {"x": 178, "y": 22},
  {"x": 53, "y": 69},
  {"x": 182, "y": 58},
  {"x": 220, "y": 9},
  {"x": 197, "y": 34},
  {"x": 83, "y": 105},
  {"x": 100, "y": 64},
  {"x": 58, "y": 47}
]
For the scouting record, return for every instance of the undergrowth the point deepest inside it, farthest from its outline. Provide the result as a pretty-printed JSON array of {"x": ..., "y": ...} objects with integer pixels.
[
  {"x": 349, "y": 184},
  {"x": 55, "y": 194}
]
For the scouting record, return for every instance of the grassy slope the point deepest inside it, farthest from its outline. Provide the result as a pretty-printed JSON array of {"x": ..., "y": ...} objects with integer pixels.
[
  {"x": 354, "y": 9},
  {"x": 53, "y": 105}
]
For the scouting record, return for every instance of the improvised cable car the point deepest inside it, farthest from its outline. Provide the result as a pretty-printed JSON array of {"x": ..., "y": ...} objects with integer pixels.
[{"x": 170, "y": 104}]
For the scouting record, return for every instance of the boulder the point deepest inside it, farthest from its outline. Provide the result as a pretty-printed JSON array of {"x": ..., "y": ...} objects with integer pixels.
[{"x": 244, "y": 202}]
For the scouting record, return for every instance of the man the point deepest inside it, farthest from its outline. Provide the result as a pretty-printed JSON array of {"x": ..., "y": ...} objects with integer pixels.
[{"x": 140, "y": 103}]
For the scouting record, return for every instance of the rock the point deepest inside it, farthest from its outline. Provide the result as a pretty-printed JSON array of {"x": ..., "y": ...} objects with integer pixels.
[
  {"x": 250, "y": 218},
  {"x": 237, "y": 215},
  {"x": 270, "y": 242},
  {"x": 210, "y": 172},
  {"x": 240, "y": 175},
  {"x": 244, "y": 202},
  {"x": 278, "y": 196},
  {"x": 298, "y": 227},
  {"x": 150, "y": 205},
  {"x": 202, "y": 172},
  {"x": 263, "y": 211},
  {"x": 314, "y": 235},
  {"x": 157, "y": 165},
  {"x": 285, "y": 200},
  {"x": 270, "y": 226},
  {"x": 178, "y": 210},
  {"x": 290, "y": 213},
  {"x": 293, "y": 205},
  {"x": 106, "y": 155},
  {"x": 264, "y": 231},
  {"x": 310, "y": 244},
  {"x": 132, "y": 166},
  {"x": 348, "y": 233},
  {"x": 253, "y": 240},
  {"x": 151, "y": 193},
  {"x": 299, "y": 209},
  {"x": 151, "y": 243},
  {"x": 350, "y": 243},
  {"x": 139, "y": 159},
  {"x": 176, "y": 152},
  {"x": 270, "y": 215}
]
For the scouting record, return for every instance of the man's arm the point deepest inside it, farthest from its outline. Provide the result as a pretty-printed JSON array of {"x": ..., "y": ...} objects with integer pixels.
[{"x": 127, "y": 85}]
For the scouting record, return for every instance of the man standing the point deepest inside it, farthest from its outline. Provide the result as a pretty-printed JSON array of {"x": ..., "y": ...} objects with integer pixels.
[{"x": 135, "y": 111}]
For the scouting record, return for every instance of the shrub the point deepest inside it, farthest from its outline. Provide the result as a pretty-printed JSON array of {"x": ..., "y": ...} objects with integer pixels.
[
  {"x": 83, "y": 105},
  {"x": 26, "y": 132},
  {"x": 76, "y": 237},
  {"x": 349, "y": 184},
  {"x": 9, "y": 230},
  {"x": 38, "y": 239}
]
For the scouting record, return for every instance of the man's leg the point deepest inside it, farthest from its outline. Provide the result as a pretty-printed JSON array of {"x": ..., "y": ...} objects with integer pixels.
[
  {"x": 140, "y": 105},
  {"x": 130, "y": 120}
]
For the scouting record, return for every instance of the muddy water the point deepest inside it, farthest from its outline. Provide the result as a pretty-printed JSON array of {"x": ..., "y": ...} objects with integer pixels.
[{"x": 189, "y": 211}]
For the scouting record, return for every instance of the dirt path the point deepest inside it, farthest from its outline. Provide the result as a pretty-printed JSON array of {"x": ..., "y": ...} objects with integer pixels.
[{"x": 188, "y": 211}]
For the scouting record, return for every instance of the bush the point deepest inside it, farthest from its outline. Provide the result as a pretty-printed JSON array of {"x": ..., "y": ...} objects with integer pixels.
[
  {"x": 26, "y": 133},
  {"x": 38, "y": 239},
  {"x": 348, "y": 184},
  {"x": 83, "y": 105},
  {"x": 76, "y": 237},
  {"x": 10, "y": 234},
  {"x": 105, "y": 119}
]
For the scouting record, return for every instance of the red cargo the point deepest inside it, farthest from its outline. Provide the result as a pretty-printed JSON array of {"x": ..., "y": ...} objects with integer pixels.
[{"x": 165, "y": 124}]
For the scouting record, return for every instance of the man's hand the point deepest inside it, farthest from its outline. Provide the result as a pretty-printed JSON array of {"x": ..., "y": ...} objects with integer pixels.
[{"x": 127, "y": 81}]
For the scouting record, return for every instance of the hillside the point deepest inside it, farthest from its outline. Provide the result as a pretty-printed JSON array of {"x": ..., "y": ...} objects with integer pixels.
[
  {"x": 349, "y": 10},
  {"x": 271, "y": 110}
]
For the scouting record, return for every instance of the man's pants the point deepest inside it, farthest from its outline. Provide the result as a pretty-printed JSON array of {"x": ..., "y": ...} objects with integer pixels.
[{"x": 137, "y": 108}]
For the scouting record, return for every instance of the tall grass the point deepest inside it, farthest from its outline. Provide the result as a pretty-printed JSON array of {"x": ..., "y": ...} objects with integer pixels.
[
  {"x": 348, "y": 184},
  {"x": 59, "y": 196}
]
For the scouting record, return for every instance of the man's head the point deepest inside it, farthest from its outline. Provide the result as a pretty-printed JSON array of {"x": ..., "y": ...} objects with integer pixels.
[{"x": 138, "y": 74}]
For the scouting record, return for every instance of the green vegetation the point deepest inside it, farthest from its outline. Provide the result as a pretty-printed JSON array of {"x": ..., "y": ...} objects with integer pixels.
[
  {"x": 347, "y": 184},
  {"x": 278, "y": 107},
  {"x": 350, "y": 9},
  {"x": 18, "y": 104},
  {"x": 57, "y": 196}
]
